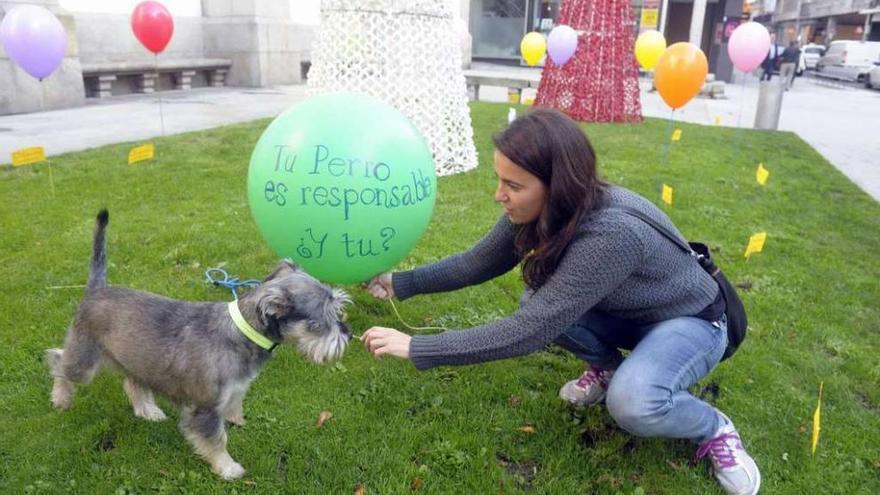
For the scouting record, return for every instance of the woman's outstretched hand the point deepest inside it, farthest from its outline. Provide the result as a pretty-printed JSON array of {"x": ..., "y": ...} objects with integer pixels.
[
  {"x": 383, "y": 341},
  {"x": 381, "y": 286}
]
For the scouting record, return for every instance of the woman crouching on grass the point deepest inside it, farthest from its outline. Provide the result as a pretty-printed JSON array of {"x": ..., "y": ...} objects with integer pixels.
[{"x": 598, "y": 280}]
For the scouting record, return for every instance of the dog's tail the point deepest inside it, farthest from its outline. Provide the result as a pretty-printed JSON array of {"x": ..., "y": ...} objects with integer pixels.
[{"x": 98, "y": 268}]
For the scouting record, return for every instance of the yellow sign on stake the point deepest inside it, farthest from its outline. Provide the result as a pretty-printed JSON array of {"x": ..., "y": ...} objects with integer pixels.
[
  {"x": 140, "y": 153},
  {"x": 676, "y": 135},
  {"x": 814, "y": 441},
  {"x": 762, "y": 174},
  {"x": 26, "y": 156},
  {"x": 756, "y": 243},
  {"x": 717, "y": 120},
  {"x": 667, "y": 194}
]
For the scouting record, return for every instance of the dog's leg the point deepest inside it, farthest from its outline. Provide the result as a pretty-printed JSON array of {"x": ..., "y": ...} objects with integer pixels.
[
  {"x": 233, "y": 411},
  {"x": 62, "y": 389},
  {"x": 204, "y": 429},
  {"x": 78, "y": 362},
  {"x": 142, "y": 401}
]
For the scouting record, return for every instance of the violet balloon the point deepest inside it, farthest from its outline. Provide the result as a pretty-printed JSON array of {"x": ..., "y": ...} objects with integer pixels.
[
  {"x": 34, "y": 39},
  {"x": 748, "y": 46},
  {"x": 561, "y": 44}
]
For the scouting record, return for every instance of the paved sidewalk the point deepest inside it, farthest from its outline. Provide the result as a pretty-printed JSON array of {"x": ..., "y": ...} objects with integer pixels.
[
  {"x": 840, "y": 122},
  {"x": 136, "y": 117}
]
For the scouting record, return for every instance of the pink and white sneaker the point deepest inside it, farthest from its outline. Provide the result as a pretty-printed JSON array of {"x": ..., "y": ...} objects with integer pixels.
[
  {"x": 587, "y": 390},
  {"x": 734, "y": 468}
]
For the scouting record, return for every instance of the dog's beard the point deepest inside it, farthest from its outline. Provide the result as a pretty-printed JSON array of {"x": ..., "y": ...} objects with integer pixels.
[{"x": 320, "y": 348}]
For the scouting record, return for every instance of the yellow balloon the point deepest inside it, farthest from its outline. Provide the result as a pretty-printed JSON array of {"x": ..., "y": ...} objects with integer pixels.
[
  {"x": 649, "y": 47},
  {"x": 533, "y": 47}
]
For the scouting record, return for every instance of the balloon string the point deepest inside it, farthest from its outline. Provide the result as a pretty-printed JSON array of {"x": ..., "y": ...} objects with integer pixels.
[
  {"x": 51, "y": 180},
  {"x": 659, "y": 181},
  {"x": 48, "y": 162},
  {"x": 159, "y": 93},
  {"x": 407, "y": 325},
  {"x": 737, "y": 137},
  {"x": 668, "y": 143}
]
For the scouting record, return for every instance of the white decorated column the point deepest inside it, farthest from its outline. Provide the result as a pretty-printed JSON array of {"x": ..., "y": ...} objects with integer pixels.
[{"x": 408, "y": 54}]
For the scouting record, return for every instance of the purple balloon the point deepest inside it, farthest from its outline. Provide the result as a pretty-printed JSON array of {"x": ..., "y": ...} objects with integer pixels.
[
  {"x": 34, "y": 39},
  {"x": 561, "y": 44}
]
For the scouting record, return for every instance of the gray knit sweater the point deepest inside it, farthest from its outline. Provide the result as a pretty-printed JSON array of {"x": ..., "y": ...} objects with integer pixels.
[{"x": 616, "y": 263}]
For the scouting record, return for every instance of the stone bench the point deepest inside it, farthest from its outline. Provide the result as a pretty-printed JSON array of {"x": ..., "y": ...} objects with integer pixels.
[
  {"x": 99, "y": 78},
  {"x": 514, "y": 83},
  {"x": 712, "y": 88}
]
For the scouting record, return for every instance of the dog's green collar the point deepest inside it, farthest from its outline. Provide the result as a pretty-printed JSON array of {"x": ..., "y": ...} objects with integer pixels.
[{"x": 247, "y": 329}]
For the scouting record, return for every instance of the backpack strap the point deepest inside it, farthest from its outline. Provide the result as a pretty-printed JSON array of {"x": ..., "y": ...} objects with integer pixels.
[
  {"x": 667, "y": 233},
  {"x": 699, "y": 251}
]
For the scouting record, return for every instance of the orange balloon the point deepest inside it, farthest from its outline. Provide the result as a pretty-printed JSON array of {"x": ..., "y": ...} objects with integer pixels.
[{"x": 680, "y": 73}]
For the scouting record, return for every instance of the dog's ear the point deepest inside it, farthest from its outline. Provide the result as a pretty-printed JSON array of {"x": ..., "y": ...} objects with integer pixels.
[
  {"x": 285, "y": 267},
  {"x": 272, "y": 304}
]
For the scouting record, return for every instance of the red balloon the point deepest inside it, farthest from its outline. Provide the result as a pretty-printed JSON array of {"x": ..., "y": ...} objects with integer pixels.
[{"x": 152, "y": 25}]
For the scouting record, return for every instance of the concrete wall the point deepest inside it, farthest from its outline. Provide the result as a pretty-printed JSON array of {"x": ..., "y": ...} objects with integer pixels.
[
  {"x": 267, "y": 40},
  {"x": 264, "y": 43},
  {"x": 107, "y": 38},
  {"x": 178, "y": 8},
  {"x": 20, "y": 93}
]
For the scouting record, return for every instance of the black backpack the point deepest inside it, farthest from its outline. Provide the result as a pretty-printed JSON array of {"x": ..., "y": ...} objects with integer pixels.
[{"x": 737, "y": 322}]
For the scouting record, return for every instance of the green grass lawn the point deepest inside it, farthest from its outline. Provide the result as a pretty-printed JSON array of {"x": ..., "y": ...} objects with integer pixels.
[{"x": 812, "y": 297}]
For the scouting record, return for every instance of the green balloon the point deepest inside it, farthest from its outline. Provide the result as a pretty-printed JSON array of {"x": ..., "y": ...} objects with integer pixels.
[{"x": 343, "y": 184}]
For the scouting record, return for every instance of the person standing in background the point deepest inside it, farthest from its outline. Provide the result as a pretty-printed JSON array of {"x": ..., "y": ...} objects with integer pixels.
[
  {"x": 769, "y": 63},
  {"x": 790, "y": 58}
]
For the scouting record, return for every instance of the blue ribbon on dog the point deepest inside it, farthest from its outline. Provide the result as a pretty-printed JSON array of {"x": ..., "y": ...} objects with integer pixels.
[{"x": 231, "y": 283}]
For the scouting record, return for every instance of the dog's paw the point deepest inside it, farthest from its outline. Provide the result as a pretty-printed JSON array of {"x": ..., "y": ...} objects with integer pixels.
[
  {"x": 230, "y": 471},
  {"x": 236, "y": 419},
  {"x": 150, "y": 412},
  {"x": 62, "y": 395},
  {"x": 62, "y": 404}
]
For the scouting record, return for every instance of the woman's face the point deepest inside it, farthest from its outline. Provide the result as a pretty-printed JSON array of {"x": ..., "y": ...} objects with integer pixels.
[{"x": 519, "y": 192}]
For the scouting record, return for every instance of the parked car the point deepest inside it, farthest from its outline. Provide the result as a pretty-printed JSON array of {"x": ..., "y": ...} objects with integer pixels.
[
  {"x": 849, "y": 60},
  {"x": 812, "y": 53},
  {"x": 872, "y": 78}
]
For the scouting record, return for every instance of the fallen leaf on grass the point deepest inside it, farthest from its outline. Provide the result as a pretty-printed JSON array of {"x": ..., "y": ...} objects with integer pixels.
[
  {"x": 527, "y": 429},
  {"x": 359, "y": 489},
  {"x": 515, "y": 401},
  {"x": 415, "y": 484}
]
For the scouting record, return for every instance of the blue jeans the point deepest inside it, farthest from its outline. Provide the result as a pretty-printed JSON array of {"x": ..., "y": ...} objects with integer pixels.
[{"x": 648, "y": 395}]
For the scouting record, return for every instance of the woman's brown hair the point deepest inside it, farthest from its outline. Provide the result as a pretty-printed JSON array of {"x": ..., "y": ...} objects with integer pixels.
[{"x": 552, "y": 147}]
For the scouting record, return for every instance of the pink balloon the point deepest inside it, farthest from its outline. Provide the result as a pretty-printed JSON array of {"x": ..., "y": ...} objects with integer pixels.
[{"x": 748, "y": 46}]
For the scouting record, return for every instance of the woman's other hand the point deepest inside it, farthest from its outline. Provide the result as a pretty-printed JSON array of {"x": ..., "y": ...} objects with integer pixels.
[
  {"x": 383, "y": 341},
  {"x": 381, "y": 286}
]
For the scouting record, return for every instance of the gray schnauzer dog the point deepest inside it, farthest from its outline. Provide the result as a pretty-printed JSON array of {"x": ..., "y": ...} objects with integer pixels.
[{"x": 202, "y": 356}]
